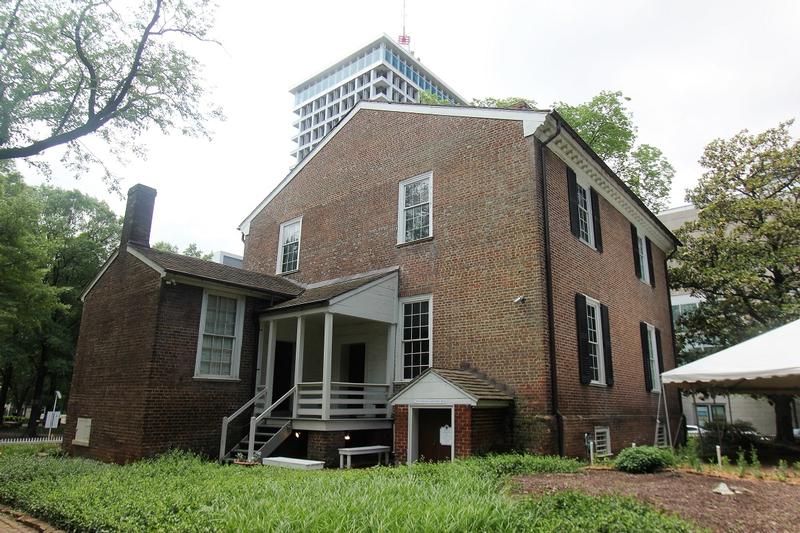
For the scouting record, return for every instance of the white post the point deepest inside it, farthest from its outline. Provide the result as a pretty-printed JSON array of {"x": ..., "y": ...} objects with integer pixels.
[
  {"x": 259, "y": 356},
  {"x": 390, "y": 362},
  {"x": 273, "y": 331},
  {"x": 719, "y": 456},
  {"x": 591, "y": 452},
  {"x": 55, "y": 403},
  {"x": 298, "y": 361},
  {"x": 327, "y": 363}
]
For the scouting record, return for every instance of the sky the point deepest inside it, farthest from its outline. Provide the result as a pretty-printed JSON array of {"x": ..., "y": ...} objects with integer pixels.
[{"x": 694, "y": 70}]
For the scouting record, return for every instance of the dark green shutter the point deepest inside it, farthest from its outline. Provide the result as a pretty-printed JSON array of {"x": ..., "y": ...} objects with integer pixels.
[
  {"x": 637, "y": 263},
  {"x": 650, "y": 261},
  {"x": 598, "y": 235},
  {"x": 583, "y": 339},
  {"x": 607, "y": 345},
  {"x": 648, "y": 375},
  {"x": 572, "y": 192}
]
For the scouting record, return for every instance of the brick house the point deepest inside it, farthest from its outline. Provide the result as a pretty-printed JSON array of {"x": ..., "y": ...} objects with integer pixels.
[{"x": 447, "y": 280}]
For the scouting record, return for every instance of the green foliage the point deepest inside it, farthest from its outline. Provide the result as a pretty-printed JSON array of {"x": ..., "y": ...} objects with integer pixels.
[
  {"x": 740, "y": 256},
  {"x": 72, "y": 68},
  {"x": 427, "y": 97},
  {"x": 606, "y": 124},
  {"x": 192, "y": 250},
  {"x": 729, "y": 436},
  {"x": 511, "y": 101},
  {"x": 755, "y": 463},
  {"x": 781, "y": 470},
  {"x": 180, "y": 492},
  {"x": 741, "y": 463},
  {"x": 644, "y": 459}
]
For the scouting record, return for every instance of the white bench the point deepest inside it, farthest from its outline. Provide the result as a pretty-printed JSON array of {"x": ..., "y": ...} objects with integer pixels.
[
  {"x": 297, "y": 464},
  {"x": 363, "y": 450}
]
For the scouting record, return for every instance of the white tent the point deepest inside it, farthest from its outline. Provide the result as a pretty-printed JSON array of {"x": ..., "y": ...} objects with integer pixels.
[{"x": 769, "y": 363}]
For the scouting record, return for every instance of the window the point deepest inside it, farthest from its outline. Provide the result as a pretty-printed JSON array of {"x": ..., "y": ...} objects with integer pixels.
[
  {"x": 602, "y": 441},
  {"x": 414, "y": 209},
  {"x": 650, "y": 340},
  {"x": 709, "y": 413},
  {"x": 289, "y": 246},
  {"x": 584, "y": 215},
  {"x": 678, "y": 310},
  {"x": 595, "y": 345},
  {"x": 594, "y": 342},
  {"x": 644, "y": 273},
  {"x": 415, "y": 335},
  {"x": 219, "y": 342}
]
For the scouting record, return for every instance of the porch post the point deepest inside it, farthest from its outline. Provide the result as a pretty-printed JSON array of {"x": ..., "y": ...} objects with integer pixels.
[
  {"x": 298, "y": 361},
  {"x": 259, "y": 355},
  {"x": 391, "y": 361},
  {"x": 327, "y": 362},
  {"x": 273, "y": 330}
]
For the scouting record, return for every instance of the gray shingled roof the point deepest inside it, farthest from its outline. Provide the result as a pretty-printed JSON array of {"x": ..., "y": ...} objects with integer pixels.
[
  {"x": 323, "y": 294},
  {"x": 474, "y": 385},
  {"x": 228, "y": 275}
]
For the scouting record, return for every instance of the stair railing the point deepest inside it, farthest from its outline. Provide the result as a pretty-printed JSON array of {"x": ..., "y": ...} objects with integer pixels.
[
  {"x": 264, "y": 414},
  {"x": 227, "y": 419}
]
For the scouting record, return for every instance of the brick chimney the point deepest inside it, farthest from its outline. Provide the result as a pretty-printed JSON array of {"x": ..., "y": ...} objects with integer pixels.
[{"x": 138, "y": 216}]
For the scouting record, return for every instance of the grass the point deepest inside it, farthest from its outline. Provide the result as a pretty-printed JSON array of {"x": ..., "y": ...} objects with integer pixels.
[{"x": 180, "y": 492}]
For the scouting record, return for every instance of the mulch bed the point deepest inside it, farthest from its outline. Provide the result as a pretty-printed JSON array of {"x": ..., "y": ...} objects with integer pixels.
[{"x": 763, "y": 506}]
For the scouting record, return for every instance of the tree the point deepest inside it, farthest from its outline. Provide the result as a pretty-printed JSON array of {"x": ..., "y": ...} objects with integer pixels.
[
  {"x": 70, "y": 68},
  {"x": 510, "y": 102},
  {"x": 192, "y": 250},
  {"x": 606, "y": 124},
  {"x": 427, "y": 97},
  {"x": 24, "y": 295},
  {"x": 741, "y": 254}
]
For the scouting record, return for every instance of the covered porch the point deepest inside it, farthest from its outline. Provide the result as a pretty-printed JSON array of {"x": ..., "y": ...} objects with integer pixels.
[{"x": 326, "y": 358}]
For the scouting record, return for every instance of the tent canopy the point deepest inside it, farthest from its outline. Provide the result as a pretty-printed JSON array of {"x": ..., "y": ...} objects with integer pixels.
[{"x": 768, "y": 363}]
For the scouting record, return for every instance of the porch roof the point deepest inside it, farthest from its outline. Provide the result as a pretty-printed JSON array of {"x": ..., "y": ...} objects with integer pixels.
[
  {"x": 209, "y": 270},
  {"x": 437, "y": 385}
]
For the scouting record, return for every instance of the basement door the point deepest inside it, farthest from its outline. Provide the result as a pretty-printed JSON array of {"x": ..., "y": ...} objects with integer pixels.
[
  {"x": 283, "y": 378},
  {"x": 432, "y": 425}
]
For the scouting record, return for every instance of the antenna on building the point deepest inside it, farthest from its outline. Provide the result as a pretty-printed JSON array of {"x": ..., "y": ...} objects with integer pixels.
[{"x": 404, "y": 39}]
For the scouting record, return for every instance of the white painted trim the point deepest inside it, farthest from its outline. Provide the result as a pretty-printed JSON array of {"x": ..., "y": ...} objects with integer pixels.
[
  {"x": 284, "y": 225},
  {"x": 99, "y": 275},
  {"x": 399, "y": 366},
  {"x": 534, "y": 118},
  {"x": 641, "y": 252},
  {"x": 237, "y": 341},
  {"x": 327, "y": 363},
  {"x": 412, "y": 444},
  {"x": 357, "y": 290},
  {"x": 652, "y": 347},
  {"x": 583, "y": 184},
  {"x": 401, "y": 206},
  {"x": 149, "y": 262},
  {"x": 607, "y": 431}
]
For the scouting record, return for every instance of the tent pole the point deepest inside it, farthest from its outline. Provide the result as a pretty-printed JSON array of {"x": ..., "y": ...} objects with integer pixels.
[
  {"x": 666, "y": 414},
  {"x": 730, "y": 408}
]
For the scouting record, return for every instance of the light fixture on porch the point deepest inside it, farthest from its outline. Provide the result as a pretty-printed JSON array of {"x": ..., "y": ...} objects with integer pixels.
[
  {"x": 347, "y": 436},
  {"x": 297, "y": 434}
]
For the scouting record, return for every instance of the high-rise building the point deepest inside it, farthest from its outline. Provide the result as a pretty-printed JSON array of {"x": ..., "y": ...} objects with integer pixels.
[{"x": 382, "y": 70}]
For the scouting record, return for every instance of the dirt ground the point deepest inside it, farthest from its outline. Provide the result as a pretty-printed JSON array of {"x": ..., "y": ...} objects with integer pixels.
[{"x": 762, "y": 506}]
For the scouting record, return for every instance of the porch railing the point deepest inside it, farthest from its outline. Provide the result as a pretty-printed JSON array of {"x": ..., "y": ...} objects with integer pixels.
[
  {"x": 226, "y": 420},
  {"x": 347, "y": 400},
  {"x": 264, "y": 414}
]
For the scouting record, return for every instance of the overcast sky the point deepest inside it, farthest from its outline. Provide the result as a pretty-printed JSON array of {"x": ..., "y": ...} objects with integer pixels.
[{"x": 695, "y": 71}]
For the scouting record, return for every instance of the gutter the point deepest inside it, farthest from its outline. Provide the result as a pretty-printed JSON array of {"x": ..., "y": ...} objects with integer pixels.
[{"x": 549, "y": 291}]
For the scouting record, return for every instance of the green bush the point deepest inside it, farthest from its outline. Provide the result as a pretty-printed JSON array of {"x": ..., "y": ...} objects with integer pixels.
[
  {"x": 644, "y": 459},
  {"x": 730, "y": 436},
  {"x": 180, "y": 492}
]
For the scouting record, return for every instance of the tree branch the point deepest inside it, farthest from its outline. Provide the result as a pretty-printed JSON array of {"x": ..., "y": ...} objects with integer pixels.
[{"x": 86, "y": 62}]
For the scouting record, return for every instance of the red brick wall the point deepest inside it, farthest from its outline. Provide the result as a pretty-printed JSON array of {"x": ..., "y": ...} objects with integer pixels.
[
  {"x": 462, "y": 438},
  {"x": 400, "y": 434},
  {"x": 184, "y": 412},
  {"x": 609, "y": 277},
  {"x": 491, "y": 430},
  {"x": 485, "y": 250},
  {"x": 324, "y": 445},
  {"x": 112, "y": 362}
]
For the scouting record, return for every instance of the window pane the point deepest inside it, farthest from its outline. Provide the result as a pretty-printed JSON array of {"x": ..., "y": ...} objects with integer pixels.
[
  {"x": 416, "y": 338},
  {"x": 594, "y": 346},
  {"x": 718, "y": 413},
  {"x": 583, "y": 215}
]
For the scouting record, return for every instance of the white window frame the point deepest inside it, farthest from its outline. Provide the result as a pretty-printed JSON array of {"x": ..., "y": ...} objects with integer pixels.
[
  {"x": 401, "y": 207},
  {"x": 237, "y": 341},
  {"x": 580, "y": 186},
  {"x": 601, "y": 360},
  {"x": 399, "y": 358},
  {"x": 284, "y": 225},
  {"x": 652, "y": 348},
  {"x": 607, "y": 431},
  {"x": 644, "y": 270}
]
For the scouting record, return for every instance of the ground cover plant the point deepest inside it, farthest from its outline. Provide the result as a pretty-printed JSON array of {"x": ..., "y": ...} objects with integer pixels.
[{"x": 181, "y": 492}]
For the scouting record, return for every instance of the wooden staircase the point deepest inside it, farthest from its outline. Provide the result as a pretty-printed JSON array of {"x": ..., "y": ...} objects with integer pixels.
[{"x": 267, "y": 437}]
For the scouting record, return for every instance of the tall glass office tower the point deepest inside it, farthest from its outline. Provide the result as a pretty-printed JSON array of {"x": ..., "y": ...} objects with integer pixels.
[{"x": 382, "y": 70}]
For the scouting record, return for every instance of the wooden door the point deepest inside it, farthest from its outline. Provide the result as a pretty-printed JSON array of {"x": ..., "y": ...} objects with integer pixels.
[
  {"x": 430, "y": 421},
  {"x": 283, "y": 377}
]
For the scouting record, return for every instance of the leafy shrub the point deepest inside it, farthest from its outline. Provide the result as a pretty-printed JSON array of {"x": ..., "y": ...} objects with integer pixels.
[
  {"x": 729, "y": 436},
  {"x": 644, "y": 459}
]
